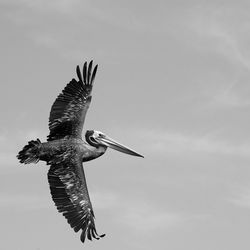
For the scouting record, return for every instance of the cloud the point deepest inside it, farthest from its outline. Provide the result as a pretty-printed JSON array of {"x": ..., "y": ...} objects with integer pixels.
[
  {"x": 242, "y": 198},
  {"x": 8, "y": 158},
  {"x": 229, "y": 98},
  {"x": 59, "y": 44},
  {"x": 180, "y": 143},
  {"x": 145, "y": 217},
  {"x": 104, "y": 200},
  {"x": 27, "y": 202},
  {"x": 45, "y": 39},
  {"x": 137, "y": 214},
  {"x": 213, "y": 25},
  {"x": 61, "y": 6}
]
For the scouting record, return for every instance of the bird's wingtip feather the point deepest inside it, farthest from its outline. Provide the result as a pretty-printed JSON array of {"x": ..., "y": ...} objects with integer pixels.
[{"x": 78, "y": 72}]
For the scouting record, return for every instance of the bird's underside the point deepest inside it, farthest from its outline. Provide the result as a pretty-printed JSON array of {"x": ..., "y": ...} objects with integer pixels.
[
  {"x": 65, "y": 151},
  {"x": 66, "y": 176}
]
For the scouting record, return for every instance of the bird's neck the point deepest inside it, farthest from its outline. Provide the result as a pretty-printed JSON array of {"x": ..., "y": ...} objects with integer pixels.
[{"x": 93, "y": 152}]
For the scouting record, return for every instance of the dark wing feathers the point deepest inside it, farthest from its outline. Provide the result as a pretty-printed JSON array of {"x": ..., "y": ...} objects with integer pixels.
[
  {"x": 78, "y": 71},
  {"x": 66, "y": 176},
  {"x": 89, "y": 71},
  {"x": 68, "y": 112},
  {"x": 70, "y": 194},
  {"x": 84, "y": 71},
  {"x": 93, "y": 75}
]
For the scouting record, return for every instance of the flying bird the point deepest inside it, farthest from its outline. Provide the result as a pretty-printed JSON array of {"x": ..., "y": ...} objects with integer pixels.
[{"x": 65, "y": 151}]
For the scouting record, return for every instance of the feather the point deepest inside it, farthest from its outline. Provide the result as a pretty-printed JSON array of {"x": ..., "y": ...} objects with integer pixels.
[
  {"x": 93, "y": 74},
  {"x": 89, "y": 72},
  {"x": 72, "y": 200},
  {"x": 69, "y": 110},
  {"x": 78, "y": 71},
  {"x": 84, "y": 72}
]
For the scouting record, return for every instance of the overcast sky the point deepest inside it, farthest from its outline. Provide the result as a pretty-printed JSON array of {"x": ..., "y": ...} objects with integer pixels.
[{"x": 173, "y": 83}]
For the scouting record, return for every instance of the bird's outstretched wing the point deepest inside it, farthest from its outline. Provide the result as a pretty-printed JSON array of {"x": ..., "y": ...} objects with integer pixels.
[
  {"x": 69, "y": 192},
  {"x": 68, "y": 112}
]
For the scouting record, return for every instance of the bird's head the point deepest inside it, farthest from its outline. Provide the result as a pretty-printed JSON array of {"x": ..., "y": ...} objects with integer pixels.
[{"x": 96, "y": 139}]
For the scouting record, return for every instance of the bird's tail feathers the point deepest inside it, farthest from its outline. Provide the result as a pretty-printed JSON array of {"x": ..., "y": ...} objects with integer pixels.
[{"x": 30, "y": 152}]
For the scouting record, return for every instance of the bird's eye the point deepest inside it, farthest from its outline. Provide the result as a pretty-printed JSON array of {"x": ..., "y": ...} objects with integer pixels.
[{"x": 92, "y": 139}]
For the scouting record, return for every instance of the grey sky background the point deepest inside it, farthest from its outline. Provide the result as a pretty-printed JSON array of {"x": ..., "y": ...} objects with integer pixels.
[{"x": 173, "y": 83}]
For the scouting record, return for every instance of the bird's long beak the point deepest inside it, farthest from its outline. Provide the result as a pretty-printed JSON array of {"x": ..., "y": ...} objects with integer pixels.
[{"x": 117, "y": 146}]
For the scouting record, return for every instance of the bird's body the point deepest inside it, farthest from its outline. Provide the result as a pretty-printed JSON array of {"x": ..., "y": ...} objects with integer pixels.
[{"x": 65, "y": 150}]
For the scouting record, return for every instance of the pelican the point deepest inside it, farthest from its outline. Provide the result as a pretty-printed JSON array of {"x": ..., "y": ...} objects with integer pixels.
[{"x": 65, "y": 151}]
